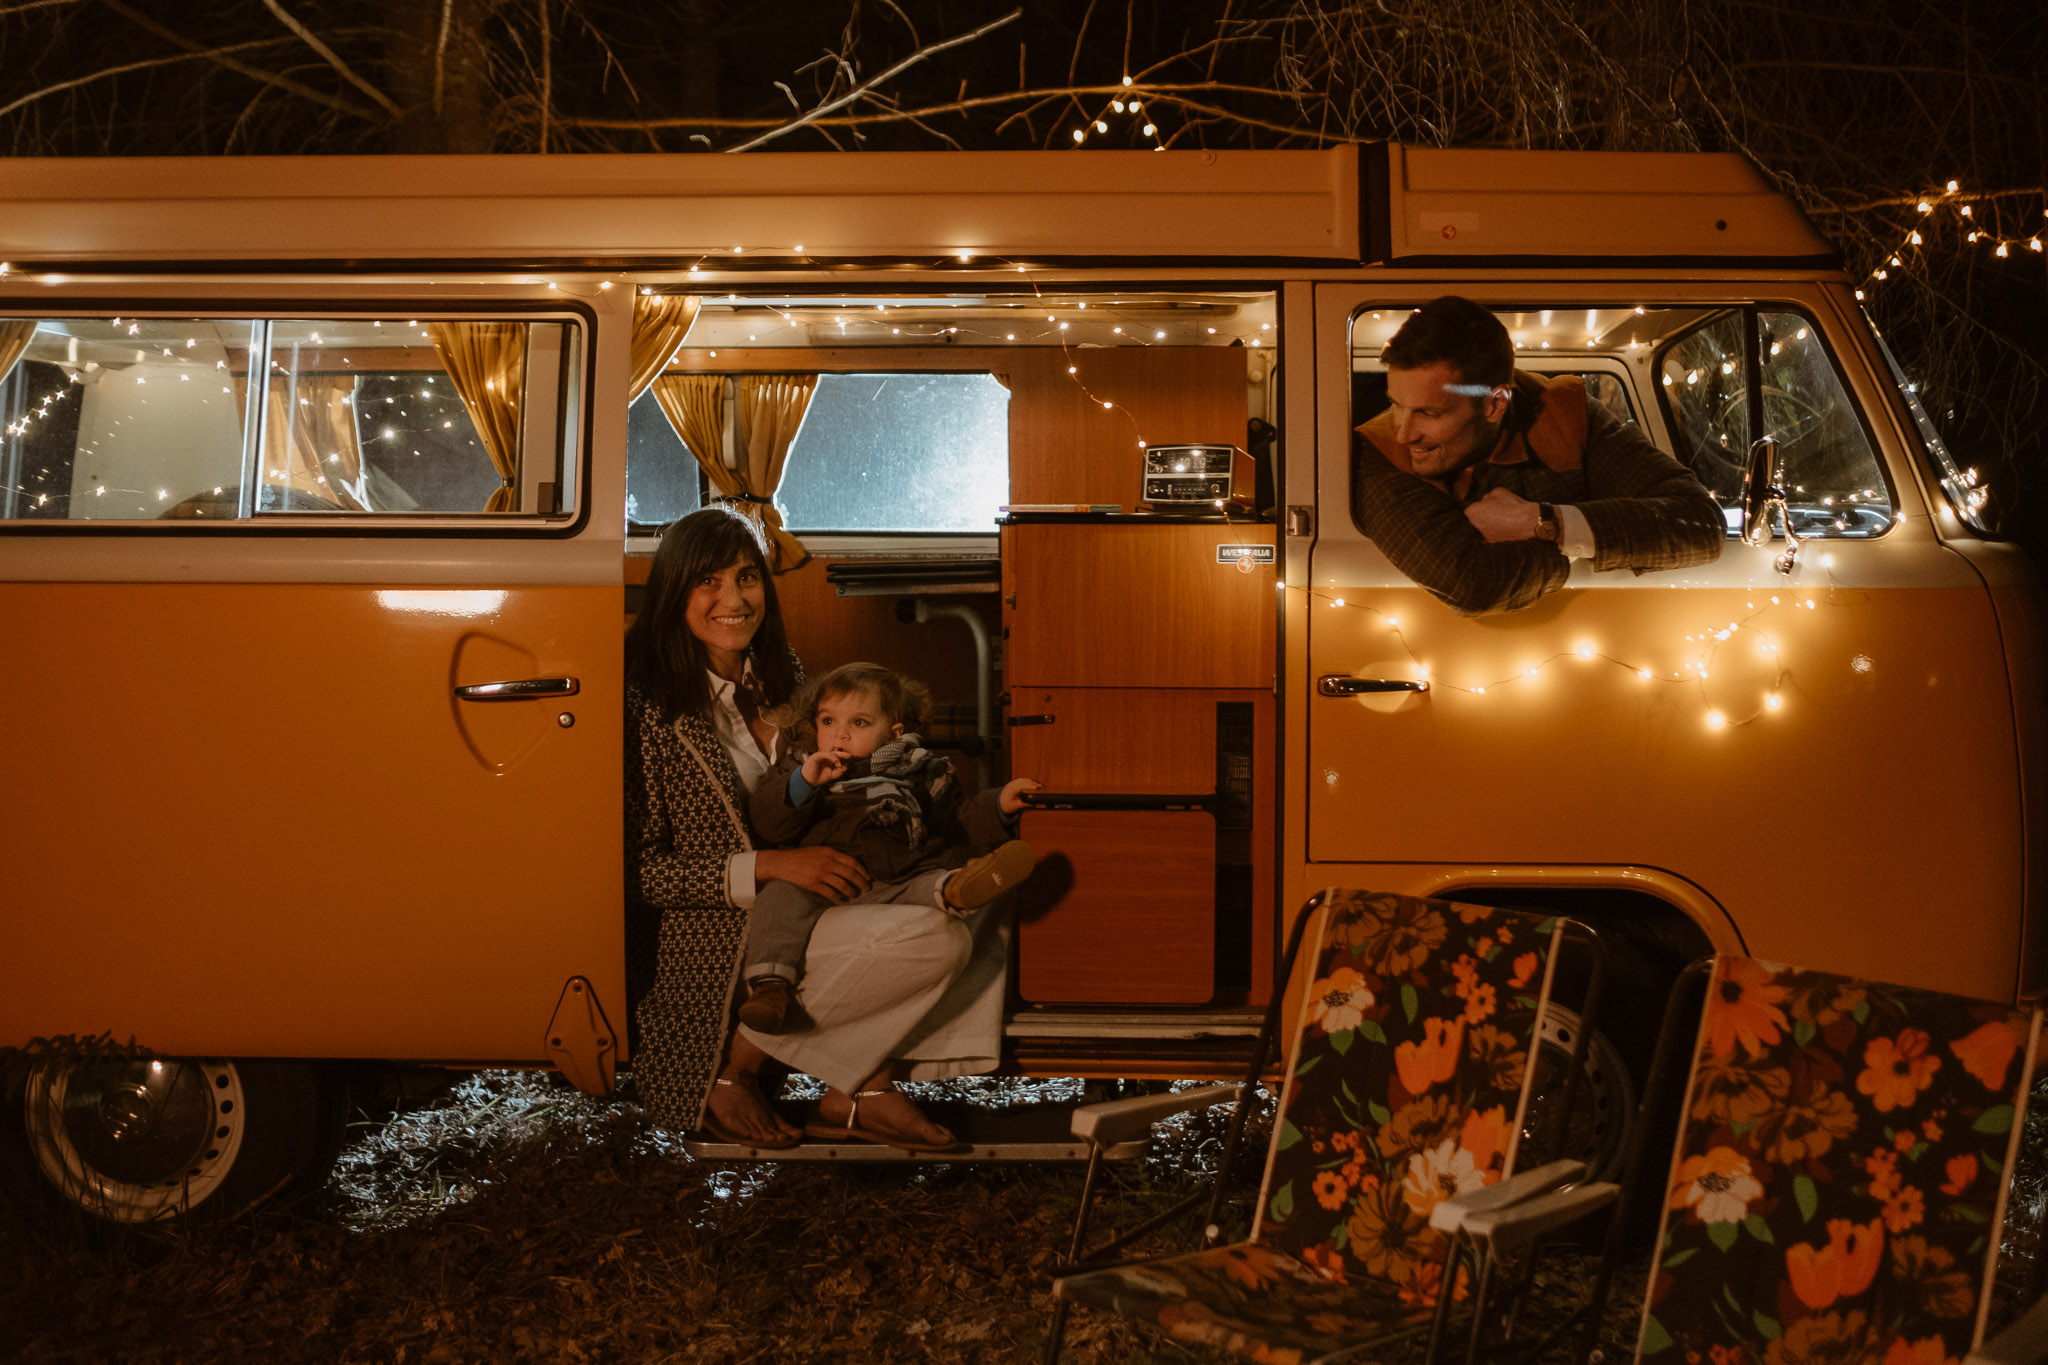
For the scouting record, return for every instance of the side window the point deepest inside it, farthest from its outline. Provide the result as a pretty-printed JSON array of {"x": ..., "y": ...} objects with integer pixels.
[
  {"x": 123, "y": 419},
  {"x": 884, "y": 416},
  {"x": 861, "y": 452},
  {"x": 1834, "y": 483},
  {"x": 130, "y": 419},
  {"x": 933, "y": 451}
]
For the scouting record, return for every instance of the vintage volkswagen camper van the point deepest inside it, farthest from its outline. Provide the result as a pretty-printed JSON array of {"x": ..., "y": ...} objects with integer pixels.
[{"x": 327, "y": 486}]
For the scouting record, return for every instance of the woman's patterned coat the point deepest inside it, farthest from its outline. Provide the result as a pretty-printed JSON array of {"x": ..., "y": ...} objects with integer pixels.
[{"x": 685, "y": 819}]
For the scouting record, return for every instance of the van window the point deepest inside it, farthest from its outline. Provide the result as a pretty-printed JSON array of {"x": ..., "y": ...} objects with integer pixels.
[
  {"x": 1695, "y": 358},
  {"x": 914, "y": 414},
  {"x": 1964, "y": 488},
  {"x": 154, "y": 419},
  {"x": 931, "y": 451},
  {"x": 889, "y": 452},
  {"x": 1834, "y": 484},
  {"x": 663, "y": 482}
]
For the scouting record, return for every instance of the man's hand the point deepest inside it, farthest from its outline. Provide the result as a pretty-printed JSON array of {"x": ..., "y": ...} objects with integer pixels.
[
  {"x": 1500, "y": 515},
  {"x": 1009, "y": 799},
  {"x": 820, "y": 768}
]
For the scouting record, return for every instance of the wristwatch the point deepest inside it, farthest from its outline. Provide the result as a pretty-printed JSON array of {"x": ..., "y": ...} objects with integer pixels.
[{"x": 1547, "y": 527}]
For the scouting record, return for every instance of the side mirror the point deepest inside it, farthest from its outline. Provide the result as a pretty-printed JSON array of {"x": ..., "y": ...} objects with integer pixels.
[
  {"x": 1759, "y": 488},
  {"x": 1762, "y": 492}
]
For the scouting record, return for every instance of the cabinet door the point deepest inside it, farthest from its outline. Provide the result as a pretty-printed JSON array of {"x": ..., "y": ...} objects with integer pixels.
[
  {"x": 1121, "y": 908},
  {"x": 1119, "y": 604}
]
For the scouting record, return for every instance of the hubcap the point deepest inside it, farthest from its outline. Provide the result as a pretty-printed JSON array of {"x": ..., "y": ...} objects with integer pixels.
[{"x": 134, "y": 1141}]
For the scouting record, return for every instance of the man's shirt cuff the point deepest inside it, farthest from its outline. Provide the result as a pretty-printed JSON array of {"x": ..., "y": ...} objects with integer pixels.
[{"x": 1574, "y": 533}]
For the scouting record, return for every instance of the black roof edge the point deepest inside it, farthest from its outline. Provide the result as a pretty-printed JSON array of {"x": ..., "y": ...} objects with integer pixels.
[
  {"x": 1827, "y": 261},
  {"x": 1375, "y": 221}
]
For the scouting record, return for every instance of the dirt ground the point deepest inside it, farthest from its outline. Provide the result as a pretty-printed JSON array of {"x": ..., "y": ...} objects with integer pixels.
[{"x": 513, "y": 1219}]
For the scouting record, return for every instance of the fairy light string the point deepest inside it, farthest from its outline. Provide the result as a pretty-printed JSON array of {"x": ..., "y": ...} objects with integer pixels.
[
  {"x": 1977, "y": 231},
  {"x": 1703, "y": 643}
]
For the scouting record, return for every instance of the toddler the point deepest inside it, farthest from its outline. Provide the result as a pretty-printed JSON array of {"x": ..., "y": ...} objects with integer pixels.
[{"x": 871, "y": 790}]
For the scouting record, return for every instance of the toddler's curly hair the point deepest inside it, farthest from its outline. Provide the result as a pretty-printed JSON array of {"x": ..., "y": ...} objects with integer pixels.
[{"x": 904, "y": 701}]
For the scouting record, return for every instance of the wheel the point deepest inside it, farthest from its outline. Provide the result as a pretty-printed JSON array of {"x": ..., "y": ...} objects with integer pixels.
[
  {"x": 133, "y": 1141},
  {"x": 1603, "y": 1101}
]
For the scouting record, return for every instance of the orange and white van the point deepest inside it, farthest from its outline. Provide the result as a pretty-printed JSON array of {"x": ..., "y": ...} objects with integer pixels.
[{"x": 327, "y": 484}]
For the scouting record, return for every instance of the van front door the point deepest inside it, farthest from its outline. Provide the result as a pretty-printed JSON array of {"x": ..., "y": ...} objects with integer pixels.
[{"x": 1826, "y": 754}]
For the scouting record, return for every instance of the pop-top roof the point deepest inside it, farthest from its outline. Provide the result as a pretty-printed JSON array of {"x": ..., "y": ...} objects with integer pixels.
[{"x": 1343, "y": 206}]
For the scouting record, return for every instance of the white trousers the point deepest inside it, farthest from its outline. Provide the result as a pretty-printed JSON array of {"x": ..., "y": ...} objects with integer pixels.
[{"x": 904, "y": 982}]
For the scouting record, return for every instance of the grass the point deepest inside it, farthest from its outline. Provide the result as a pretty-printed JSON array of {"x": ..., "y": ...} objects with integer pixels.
[{"x": 513, "y": 1219}]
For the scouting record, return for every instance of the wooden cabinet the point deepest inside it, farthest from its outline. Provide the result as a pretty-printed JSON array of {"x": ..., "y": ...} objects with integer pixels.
[
  {"x": 1139, "y": 602},
  {"x": 1140, "y": 679}
]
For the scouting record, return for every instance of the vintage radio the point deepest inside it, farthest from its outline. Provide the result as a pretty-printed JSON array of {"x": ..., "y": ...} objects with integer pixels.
[{"x": 1188, "y": 477}]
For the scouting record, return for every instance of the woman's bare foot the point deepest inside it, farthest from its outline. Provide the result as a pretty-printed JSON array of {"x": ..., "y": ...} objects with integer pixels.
[
  {"x": 736, "y": 1110},
  {"x": 884, "y": 1114}
]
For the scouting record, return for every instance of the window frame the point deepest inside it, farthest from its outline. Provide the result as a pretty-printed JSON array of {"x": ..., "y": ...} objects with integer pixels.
[
  {"x": 1751, "y": 312},
  {"x": 572, "y": 462}
]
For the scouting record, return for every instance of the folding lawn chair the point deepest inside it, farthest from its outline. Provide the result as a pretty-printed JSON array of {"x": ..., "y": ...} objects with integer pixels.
[
  {"x": 1410, "y": 1078},
  {"x": 1842, "y": 1171}
]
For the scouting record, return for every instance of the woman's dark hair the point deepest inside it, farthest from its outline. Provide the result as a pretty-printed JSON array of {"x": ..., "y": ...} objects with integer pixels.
[
  {"x": 905, "y": 701},
  {"x": 1457, "y": 332},
  {"x": 663, "y": 657}
]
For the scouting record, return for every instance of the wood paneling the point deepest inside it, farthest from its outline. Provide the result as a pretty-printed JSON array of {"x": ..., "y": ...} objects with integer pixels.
[
  {"x": 1131, "y": 605},
  {"x": 1065, "y": 446},
  {"x": 1121, "y": 908}
]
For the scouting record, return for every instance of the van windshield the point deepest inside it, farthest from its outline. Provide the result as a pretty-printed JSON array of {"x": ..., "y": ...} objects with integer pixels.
[{"x": 1963, "y": 487}]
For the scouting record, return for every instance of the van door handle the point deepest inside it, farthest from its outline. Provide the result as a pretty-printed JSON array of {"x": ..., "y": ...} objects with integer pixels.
[
  {"x": 1343, "y": 685},
  {"x": 521, "y": 689}
]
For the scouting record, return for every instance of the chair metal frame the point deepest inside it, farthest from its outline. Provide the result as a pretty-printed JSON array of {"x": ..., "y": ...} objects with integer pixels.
[{"x": 1501, "y": 1220}]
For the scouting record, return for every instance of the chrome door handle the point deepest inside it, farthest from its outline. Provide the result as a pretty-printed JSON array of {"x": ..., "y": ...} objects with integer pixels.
[
  {"x": 521, "y": 689},
  {"x": 1343, "y": 685}
]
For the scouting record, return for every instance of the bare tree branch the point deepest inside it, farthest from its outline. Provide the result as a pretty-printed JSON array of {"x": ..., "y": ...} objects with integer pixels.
[
  {"x": 332, "y": 58},
  {"x": 102, "y": 74},
  {"x": 1040, "y": 95},
  {"x": 441, "y": 53},
  {"x": 850, "y": 96},
  {"x": 256, "y": 73}
]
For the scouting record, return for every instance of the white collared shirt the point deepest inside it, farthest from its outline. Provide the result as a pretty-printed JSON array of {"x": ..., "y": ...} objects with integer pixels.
[{"x": 753, "y": 765}]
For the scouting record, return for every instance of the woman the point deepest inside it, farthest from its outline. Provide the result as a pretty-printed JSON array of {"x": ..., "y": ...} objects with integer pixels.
[{"x": 709, "y": 676}]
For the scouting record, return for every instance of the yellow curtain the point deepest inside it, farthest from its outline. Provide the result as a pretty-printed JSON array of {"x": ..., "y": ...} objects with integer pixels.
[
  {"x": 660, "y": 322},
  {"x": 771, "y": 408},
  {"x": 695, "y": 406},
  {"x": 487, "y": 363},
  {"x": 310, "y": 444},
  {"x": 15, "y": 334}
]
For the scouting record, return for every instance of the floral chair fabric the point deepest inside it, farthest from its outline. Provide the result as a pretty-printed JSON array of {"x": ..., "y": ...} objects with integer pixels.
[
  {"x": 1406, "y": 1084},
  {"x": 1835, "y": 1195}
]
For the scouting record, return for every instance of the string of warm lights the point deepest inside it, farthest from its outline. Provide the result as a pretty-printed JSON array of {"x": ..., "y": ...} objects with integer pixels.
[
  {"x": 1703, "y": 642},
  {"x": 1976, "y": 232},
  {"x": 1129, "y": 107},
  {"x": 1056, "y": 330}
]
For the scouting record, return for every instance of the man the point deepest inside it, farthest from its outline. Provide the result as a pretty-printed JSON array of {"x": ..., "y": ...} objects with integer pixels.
[{"x": 1483, "y": 483}]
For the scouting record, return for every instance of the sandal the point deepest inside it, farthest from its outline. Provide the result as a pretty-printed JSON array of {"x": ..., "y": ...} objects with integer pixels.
[
  {"x": 724, "y": 1134},
  {"x": 833, "y": 1132}
]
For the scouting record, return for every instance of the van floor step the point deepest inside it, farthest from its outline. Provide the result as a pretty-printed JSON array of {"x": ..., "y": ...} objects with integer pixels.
[{"x": 1017, "y": 1133}]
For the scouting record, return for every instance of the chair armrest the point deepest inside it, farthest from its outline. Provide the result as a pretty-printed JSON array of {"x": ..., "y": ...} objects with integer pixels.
[
  {"x": 1113, "y": 1121},
  {"x": 2023, "y": 1341},
  {"x": 1509, "y": 1229},
  {"x": 1450, "y": 1215}
]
